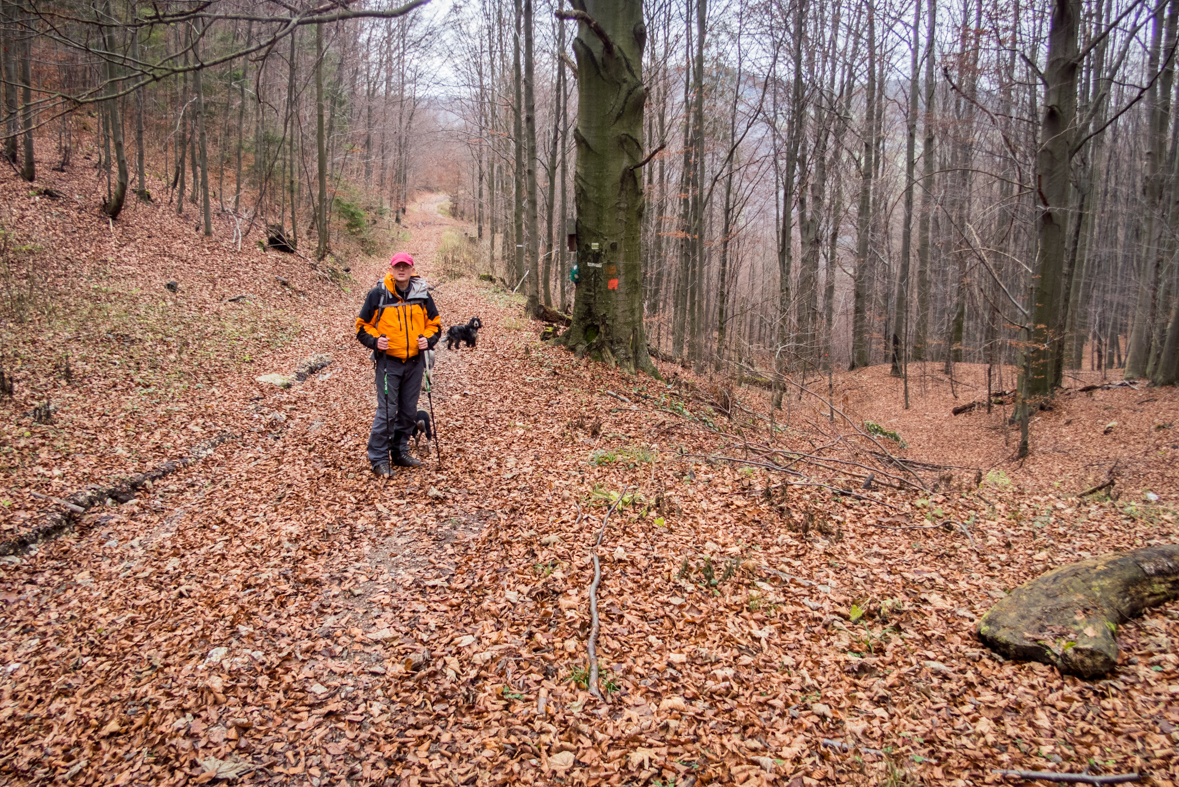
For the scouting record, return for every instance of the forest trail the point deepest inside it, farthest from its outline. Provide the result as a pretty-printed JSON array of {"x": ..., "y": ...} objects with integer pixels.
[{"x": 276, "y": 611}]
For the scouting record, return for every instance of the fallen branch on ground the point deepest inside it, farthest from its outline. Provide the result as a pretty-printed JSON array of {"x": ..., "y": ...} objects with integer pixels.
[
  {"x": 845, "y": 492},
  {"x": 57, "y": 523},
  {"x": 66, "y": 503},
  {"x": 948, "y": 523},
  {"x": 779, "y": 468},
  {"x": 1106, "y": 484},
  {"x": 832, "y": 408},
  {"x": 841, "y": 746},
  {"x": 592, "y": 645},
  {"x": 1074, "y": 778},
  {"x": 1107, "y": 386},
  {"x": 819, "y": 461},
  {"x": 1000, "y": 396},
  {"x": 889, "y": 458}
]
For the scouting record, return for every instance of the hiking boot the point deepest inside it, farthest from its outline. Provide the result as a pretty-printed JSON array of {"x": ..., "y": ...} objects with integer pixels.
[
  {"x": 405, "y": 459},
  {"x": 382, "y": 469}
]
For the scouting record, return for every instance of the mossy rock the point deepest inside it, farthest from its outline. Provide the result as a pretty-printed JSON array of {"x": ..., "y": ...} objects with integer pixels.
[
  {"x": 1069, "y": 616},
  {"x": 281, "y": 380}
]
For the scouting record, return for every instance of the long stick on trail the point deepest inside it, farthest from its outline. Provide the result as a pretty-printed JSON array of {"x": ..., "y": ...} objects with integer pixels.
[
  {"x": 592, "y": 645},
  {"x": 1072, "y": 778}
]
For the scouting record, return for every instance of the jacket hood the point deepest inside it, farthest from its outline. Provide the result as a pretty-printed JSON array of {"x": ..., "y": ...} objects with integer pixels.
[{"x": 416, "y": 287}]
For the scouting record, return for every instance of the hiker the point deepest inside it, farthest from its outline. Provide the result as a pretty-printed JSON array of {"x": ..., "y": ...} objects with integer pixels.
[{"x": 398, "y": 322}]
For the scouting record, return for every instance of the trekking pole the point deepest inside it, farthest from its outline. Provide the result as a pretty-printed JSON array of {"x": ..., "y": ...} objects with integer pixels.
[
  {"x": 427, "y": 357},
  {"x": 388, "y": 437}
]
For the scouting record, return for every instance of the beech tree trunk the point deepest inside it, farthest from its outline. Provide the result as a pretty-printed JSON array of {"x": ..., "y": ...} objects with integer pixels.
[
  {"x": 1146, "y": 309},
  {"x": 531, "y": 213},
  {"x": 202, "y": 144},
  {"x": 563, "y": 302},
  {"x": 321, "y": 248},
  {"x": 292, "y": 174},
  {"x": 1052, "y": 177},
  {"x": 608, "y": 307},
  {"x": 10, "y": 81},
  {"x": 114, "y": 205},
  {"x": 900, "y": 336},
  {"x": 553, "y": 241},
  {"x": 1167, "y": 371},
  {"x": 518, "y": 139},
  {"x": 140, "y": 172},
  {"x": 679, "y": 323},
  {"x": 921, "y": 327},
  {"x": 28, "y": 170},
  {"x": 859, "y": 353}
]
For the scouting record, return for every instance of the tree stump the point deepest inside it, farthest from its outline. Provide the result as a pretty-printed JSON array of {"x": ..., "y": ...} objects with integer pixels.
[
  {"x": 1068, "y": 617},
  {"x": 549, "y": 314},
  {"x": 276, "y": 238}
]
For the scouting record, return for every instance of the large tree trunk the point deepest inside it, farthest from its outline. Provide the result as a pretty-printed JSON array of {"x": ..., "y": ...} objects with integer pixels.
[
  {"x": 493, "y": 125},
  {"x": 518, "y": 138},
  {"x": 608, "y": 309},
  {"x": 178, "y": 183},
  {"x": 1167, "y": 370},
  {"x": 835, "y": 222},
  {"x": 921, "y": 329},
  {"x": 114, "y": 205},
  {"x": 28, "y": 170},
  {"x": 292, "y": 175},
  {"x": 696, "y": 189},
  {"x": 1068, "y": 617},
  {"x": 321, "y": 248},
  {"x": 864, "y": 218},
  {"x": 552, "y": 243},
  {"x": 531, "y": 214},
  {"x": 963, "y": 158},
  {"x": 1052, "y": 178},
  {"x": 241, "y": 120},
  {"x": 679, "y": 325},
  {"x": 656, "y": 261},
  {"x": 203, "y": 148},
  {"x": 727, "y": 211},
  {"x": 140, "y": 172},
  {"x": 900, "y": 336},
  {"x": 1146, "y": 310},
  {"x": 563, "y": 177},
  {"x": 789, "y": 198},
  {"x": 10, "y": 80}
]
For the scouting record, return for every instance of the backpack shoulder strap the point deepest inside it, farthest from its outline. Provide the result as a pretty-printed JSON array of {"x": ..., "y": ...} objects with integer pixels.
[{"x": 386, "y": 299}]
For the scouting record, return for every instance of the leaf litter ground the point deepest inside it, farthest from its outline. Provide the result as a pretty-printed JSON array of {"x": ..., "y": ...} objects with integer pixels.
[{"x": 275, "y": 614}]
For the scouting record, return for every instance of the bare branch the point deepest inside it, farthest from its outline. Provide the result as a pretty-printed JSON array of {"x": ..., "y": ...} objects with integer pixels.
[{"x": 591, "y": 23}]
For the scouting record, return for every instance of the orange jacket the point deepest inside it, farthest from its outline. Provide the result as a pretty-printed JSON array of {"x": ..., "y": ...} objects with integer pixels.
[{"x": 402, "y": 317}]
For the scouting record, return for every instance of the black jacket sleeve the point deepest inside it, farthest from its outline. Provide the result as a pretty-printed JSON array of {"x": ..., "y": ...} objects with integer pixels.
[
  {"x": 367, "y": 312},
  {"x": 431, "y": 313}
]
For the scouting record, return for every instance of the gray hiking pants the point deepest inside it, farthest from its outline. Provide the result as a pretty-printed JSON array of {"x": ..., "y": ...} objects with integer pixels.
[{"x": 393, "y": 424}]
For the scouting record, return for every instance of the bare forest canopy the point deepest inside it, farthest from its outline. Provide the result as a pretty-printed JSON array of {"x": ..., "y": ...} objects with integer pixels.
[{"x": 825, "y": 183}]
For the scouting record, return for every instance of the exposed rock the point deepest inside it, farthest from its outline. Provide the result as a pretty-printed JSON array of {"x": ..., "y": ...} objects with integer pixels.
[
  {"x": 282, "y": 381},
  {"x": 1068, "y": 617}
]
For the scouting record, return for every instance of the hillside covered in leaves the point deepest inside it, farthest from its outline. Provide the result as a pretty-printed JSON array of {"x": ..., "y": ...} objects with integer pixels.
[{"x": 244, "y": 601}]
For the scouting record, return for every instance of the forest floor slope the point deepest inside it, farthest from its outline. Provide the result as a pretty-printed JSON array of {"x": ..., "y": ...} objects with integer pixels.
[{"x": 266, "y": 611}]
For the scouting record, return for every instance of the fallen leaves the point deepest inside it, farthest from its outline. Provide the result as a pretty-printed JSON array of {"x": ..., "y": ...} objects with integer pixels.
[
  {"x": 276, "y": 610},
  {"x": 216, "y": 769},
  {"x": 562, "y": 761}
]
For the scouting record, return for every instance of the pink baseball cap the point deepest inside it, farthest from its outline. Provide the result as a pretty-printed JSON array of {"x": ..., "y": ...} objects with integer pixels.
[{"x": 401, "y": 257}]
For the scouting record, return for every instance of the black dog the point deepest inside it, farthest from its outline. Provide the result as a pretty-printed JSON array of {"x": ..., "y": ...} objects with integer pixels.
[
  {"x": 421, "y": 426},
  {"x": 457, "y": 334}
]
